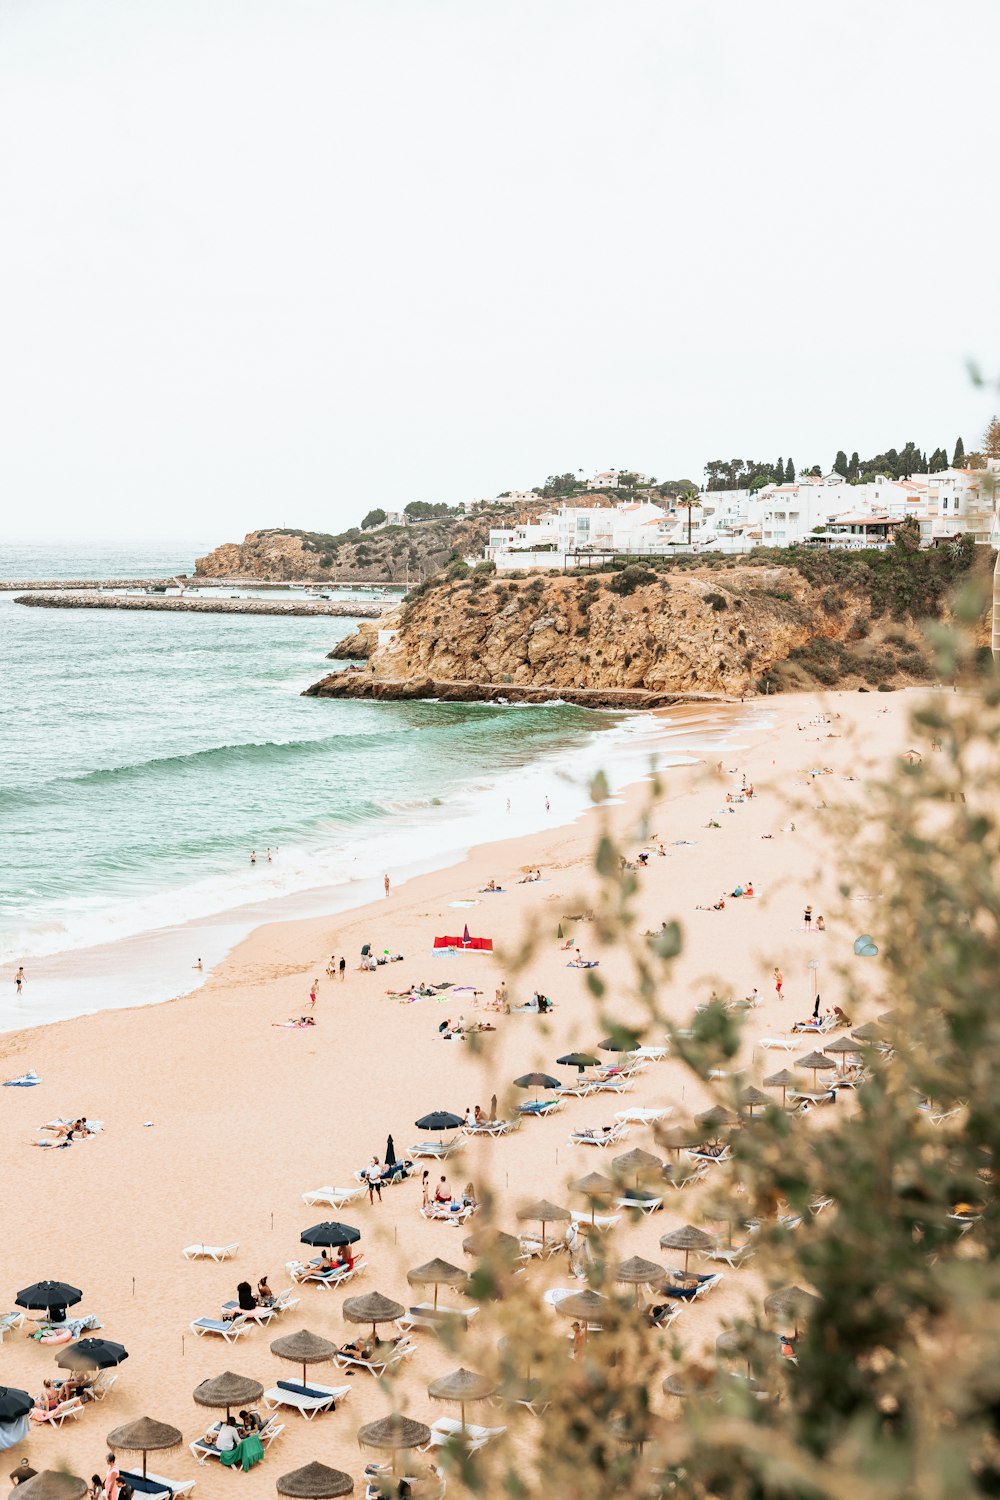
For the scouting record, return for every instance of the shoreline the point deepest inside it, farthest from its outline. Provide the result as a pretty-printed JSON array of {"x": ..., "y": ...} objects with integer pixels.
[{"x": 155, "y": 963}]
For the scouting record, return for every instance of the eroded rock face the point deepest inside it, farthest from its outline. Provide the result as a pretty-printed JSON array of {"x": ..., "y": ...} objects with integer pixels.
[
  {"x": 683, "y": 634},
  {"x": 261, "y": 554}
]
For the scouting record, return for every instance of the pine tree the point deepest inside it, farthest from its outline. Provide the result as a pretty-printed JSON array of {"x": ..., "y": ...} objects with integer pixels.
[
  {"x": 789, "y": 472},
  {"x": 991, "y": 439},
  {"x": 959, "y": 457},
  {"x": 854, "y": 467},
  {"x": 779, "y": 471},
  {"x": 840, "y": 464}
]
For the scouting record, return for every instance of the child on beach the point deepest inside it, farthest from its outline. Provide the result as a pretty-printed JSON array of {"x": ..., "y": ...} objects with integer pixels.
[{"x": 779, "y": 980}]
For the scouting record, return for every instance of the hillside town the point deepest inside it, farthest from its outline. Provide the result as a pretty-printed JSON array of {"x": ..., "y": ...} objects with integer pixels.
[{"x": 814, "y": 509}]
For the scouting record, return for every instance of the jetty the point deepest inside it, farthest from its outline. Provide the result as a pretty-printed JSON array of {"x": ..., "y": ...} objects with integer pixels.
[
  {"x": 366, "y": 609},
  {"x": 359, "y": 684}
]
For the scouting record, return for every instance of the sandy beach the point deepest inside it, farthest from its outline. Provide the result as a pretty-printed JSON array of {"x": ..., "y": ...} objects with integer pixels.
[{"x": 217, "y": 1119}]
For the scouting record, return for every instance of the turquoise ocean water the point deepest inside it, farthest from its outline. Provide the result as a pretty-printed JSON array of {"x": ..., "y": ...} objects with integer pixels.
[{"x": 142, "y": 756}]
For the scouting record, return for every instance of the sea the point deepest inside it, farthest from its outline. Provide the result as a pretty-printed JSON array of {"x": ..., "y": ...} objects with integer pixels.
[{"x": 143, "y": 756}]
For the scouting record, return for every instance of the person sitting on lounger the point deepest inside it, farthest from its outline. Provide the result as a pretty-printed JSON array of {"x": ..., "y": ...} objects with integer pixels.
[
  {"x": 469, "y": 1196},
  {"x": 265, "y": 1297},
  {"x": 48, "y": 1398},
  {"x": 358, "y": 1348},
  {"x": 478, "y": 1118},
  {"x": 250, "y": 1421},
  {"x": 225, "y": 1439},
  {"x": 442, "y": 1193},
  {"x": 245, "y": 1301}
]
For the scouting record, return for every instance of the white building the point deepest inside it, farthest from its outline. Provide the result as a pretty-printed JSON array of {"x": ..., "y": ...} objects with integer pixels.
[
  {"x": 555, "y": 537},
  {"x": 609, "y": 479}
]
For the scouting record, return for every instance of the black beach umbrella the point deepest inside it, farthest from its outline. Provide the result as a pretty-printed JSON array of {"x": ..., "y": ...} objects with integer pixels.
[
  {"x": 440, "y": 1119},
  {"x": 330, "y": 1233},
  {"x": 579, "y": 1060},
  {"x": 14, "y": 1403},
  {"x": 92, "y": 1354},
  {"x": 50, "y": 1295},
  {"x": 537, "y": 1081},
  {"x": 620, "y": 1042},
  {"x": 390, "y": 1152}
]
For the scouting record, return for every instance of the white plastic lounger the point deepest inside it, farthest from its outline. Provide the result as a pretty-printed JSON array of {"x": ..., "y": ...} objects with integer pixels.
[
  {"x": 618, "y": 1084},
  {"x": 607, "y": 1135},
  {"x": 647, "y": 1205},
  {"x": 203, "y": 1451},
  {"x": 643, "y": 1116},
  {"x": 9, "y": 1322},
  {"x": 154, "y": 1486},
  {"x": 386, "y": 1357},
  {"x": 210, "y": 1252},
  {"x": 603, "y": 1222},
  {"x": 57, "y": 1416},
  {"x": 439, "y": 1150},
  {"x": 492, "y": 1127},
  {"x": 778, "y": 1043},
  {"x": 230, "y": 1331},
  {"x": 471, "y": 1436},
  {"x": 426, "y": 1315},
  {"x": 307, "y": 1399},
  {"x": 336, "y": 1197}
]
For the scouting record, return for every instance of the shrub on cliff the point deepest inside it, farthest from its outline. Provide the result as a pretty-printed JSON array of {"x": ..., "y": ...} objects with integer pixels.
[{"x": 631, "y": 578}]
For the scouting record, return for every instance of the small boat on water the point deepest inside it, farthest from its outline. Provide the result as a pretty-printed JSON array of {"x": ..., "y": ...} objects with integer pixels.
[{"x": 156, "y": 588}]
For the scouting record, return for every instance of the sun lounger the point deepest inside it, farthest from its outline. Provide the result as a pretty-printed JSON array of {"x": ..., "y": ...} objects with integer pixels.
[
  {"x": 438, "y": 1150},
  {"x": 606, "y": 1135},
  {"x": 333, "y": 1277},
  {"x": 336, "y": 1197},
  {"x": 669, "y": 1313},
  {"x": 492, "y": 1127},
  {"x": 710, "y": 1158},
  {"x": 381, "y": 1480},
  {"x": 102, "y": 1383},
  {"x": 9, "y": 1322},
  {"x": 643, "y": 1116},
  {"x": 203, "y": 1451},
  {"x": 692, "y": 1286},
  {"x": 210, "y": 1252},
  {"x": 155, "y": 1487},
  {"x": 646, "y": 1203},
  {"x": 603, "y": 1222},
  {"x": 230, "y": 1330},
  {"x": 426, "y": 1315},
  {"x": 471, "y": 1437},
  {"x": 57, "y": 1416},
  {"x": 307, "y": 1399},
  {"x": 539, "y": 1107},
  {"x": 619, "y": 1083},
  {"x": 385, "y": 1356},
  {"x": 733, "y": 1255},
  {"x": 805, "y": 1099},
  {"x": 448, "y": 1213},
  {"x": 260, "y": 1316},
  {"x": 778, "y": 1044},
  {"x": 531, "y": 1245},
  {"x": 578, "y": 1090},
  {"x": 654, "y": 1054}
]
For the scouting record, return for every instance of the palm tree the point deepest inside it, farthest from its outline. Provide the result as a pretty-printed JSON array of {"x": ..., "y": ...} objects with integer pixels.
[{"x": 689, "y": 502}]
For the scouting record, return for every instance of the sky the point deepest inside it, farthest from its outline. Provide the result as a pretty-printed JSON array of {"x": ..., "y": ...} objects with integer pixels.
[{"x": 274, "y": 262}]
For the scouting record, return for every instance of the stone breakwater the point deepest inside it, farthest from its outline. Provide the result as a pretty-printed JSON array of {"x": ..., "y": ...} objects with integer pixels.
[
  {"x": 95, "y": 584},
  {"x": 354, "y": 609},
  {"x": 362, "y": 685}
]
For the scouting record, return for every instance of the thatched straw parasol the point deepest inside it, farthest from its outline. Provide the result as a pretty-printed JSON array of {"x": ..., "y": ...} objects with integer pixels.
[
  {"x": 594, "y": 1187},
  {"x": 394, "y": 1432},
  {"x": 304, "y": 1348},
  {"x": 687, "y": 1238},
  {"x": 638, "y": 1273},
  {"x": 843, "y": 1046},
  {"x": 791, "y": 1302},
  {"x": 815, "y": 1062},
  {"x": 676, "y": 1137},
  {"x": 52, "y": 1484},
  {"x": 372, "y": 1308},
  {"x": 228, "y": 1390},
  {"x": 543, "y": 1212},
  {"x": 676, "y": 1385},
  {"x": 437, "y": 1273},
  {"x": 315, "y": 1482},
  {"x": 461, "y": 1386},
  {"x": 490, "y": 1241},
  {"x": 754, "y": 1098},
  {"x": 783, "y": 1080},
  {"x": 633, "y": 1163},
  {"x": 867, "y": 1033},
  {"x": 144, "y": 1436},
  {"x": 590, "y": 1306},
  {"x": 716, "y": 1120}
]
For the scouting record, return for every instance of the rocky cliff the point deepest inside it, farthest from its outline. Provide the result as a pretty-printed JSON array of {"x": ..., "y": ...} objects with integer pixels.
[{"x": 735, "y": 630}]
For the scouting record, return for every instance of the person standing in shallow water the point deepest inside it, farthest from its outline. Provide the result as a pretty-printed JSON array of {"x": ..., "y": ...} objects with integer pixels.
[
  {"x": 19, "y": 978},
  {"x": 385, "y": 882},
  {"x": 342, "y": 967}
]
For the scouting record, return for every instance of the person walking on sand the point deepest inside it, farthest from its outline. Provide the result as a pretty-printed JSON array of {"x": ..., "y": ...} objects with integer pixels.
[
  {"x": 779, "y": 980},
  {"x": 807, "y": 917},
  {"x": 314, "y": 991},
  {"x": 342, "y": 966},
  {"x": 19, "y": 978},
  {"x": 385, "y": 882},
  {"x": 425, "y": 1187},
  {"x": 253, "y": 856}
]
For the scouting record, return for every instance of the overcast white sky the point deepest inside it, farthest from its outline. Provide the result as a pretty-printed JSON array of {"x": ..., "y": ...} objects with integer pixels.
[{"x": 270, "y": 262}]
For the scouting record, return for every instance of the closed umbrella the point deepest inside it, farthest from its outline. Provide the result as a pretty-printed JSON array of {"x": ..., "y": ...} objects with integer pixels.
[
  {"x": 437, "y": 1273},
  {"x": 330, "y": 1233},
  {"x": 144, "y": 1436},
  {"x": 304, "y": 1348},
  {"x": 372, "y": 1308},
  {"x": 461, "y": 1386},
  {"x": 53, "y": 1296},
  {"x": 228, "y": 1390},
  {"x": 466, "y": 936},
  {"x": 390, "y": 1161},
  {"x": 315, "y": 1481},
  {"x": 687, "y": 1238},
  {"x": 783, "y": 1080},
  {"x": 543, "y": 1212},
  {"x": 92, "y": 1354}
]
